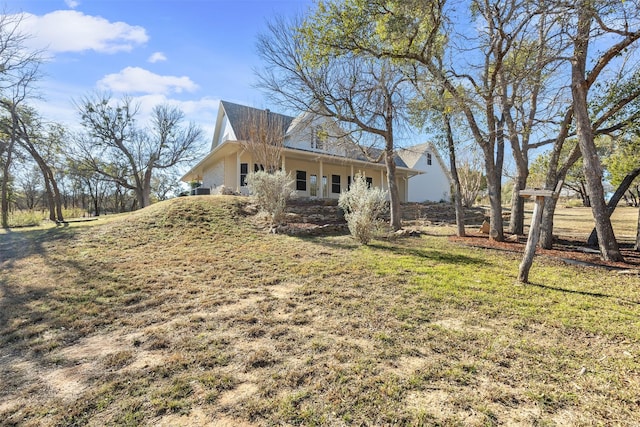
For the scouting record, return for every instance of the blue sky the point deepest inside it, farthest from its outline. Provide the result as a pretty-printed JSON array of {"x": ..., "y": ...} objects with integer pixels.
[{"x": 188, "y": 52}]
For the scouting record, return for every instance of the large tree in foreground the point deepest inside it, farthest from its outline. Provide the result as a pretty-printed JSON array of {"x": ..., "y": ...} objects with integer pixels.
[
  {"x": 114, "y": 146},
  {"x": 597, "y": 19}
]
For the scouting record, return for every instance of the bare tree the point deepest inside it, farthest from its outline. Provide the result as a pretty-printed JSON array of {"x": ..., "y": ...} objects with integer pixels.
[
  {"x": 262, "y": 135},
  {"x": 416, "y": 31},
  {"x": 613, "y": 27},
  {"x": 31, "y": 188},
  {"x": 472, "y": 180},
  {"x": 113, "y": 146},
  {"x": 433, "y": 109},
  {"x": 42, "y": 143},
  {"x": 366, "y": 95},
  {"x": 18, "y": 71}
]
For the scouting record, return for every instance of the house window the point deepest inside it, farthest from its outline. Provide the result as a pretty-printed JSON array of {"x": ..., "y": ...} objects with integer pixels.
[
  {"x": 313, "y": 185},
  {"x": 257, "y": 167},
  {"x": 348, "y": 182},
  {"x": 429, "y": 159},
  {"x": 369, "y": 182},
  {"x": 244, "y": 169},
  {"x": 301, "y": 180},
  {"x": 335, "y": 184}
]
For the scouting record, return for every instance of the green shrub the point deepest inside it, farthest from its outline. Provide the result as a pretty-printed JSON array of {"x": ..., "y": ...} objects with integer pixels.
[
  {"x": 271, "y": 192},
  {"x": 27, "y": 218},
  {"x": 363, "y": 207}
]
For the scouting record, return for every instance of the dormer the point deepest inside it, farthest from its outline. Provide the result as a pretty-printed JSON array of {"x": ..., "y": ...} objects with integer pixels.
[{"x": 311, "y": 132}]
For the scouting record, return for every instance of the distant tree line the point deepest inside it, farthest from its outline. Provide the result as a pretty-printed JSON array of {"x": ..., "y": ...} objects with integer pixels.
[{"x": 113, "y": 164}]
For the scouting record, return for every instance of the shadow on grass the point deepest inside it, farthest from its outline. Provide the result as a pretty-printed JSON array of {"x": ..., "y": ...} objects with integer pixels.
[
  {"x": 15, "y": 245},
  {"x": 427, "y": 253},
  {"x": 18, "y": 299},
  {"x": 584, "y": 293},
  {"x": 431, "y": 254},
  {"x": 334, "y": 241}
]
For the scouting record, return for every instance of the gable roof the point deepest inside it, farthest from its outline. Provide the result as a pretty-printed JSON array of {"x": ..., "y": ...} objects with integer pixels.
[
  {"x": 412, "y": 154},
  {"x": 238, "y": 114}
]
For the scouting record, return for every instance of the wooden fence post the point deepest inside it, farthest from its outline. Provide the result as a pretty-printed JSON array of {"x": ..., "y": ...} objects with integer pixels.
[{"x": 534, "y": 229}]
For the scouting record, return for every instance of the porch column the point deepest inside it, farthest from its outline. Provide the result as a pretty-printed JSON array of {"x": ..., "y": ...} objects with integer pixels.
[
  {"x": 320, "y": 178},
  {"x": 382, "y": 179},
  {"x": 284, "y": 169},
  {"x": 406, "y": 188},
  {"x": 238, "y": 171}
]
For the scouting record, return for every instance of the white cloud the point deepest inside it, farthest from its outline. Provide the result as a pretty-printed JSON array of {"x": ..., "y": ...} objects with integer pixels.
[
  {"x": 73, "y": 31},
  {"x": 72, "y": 3},
  {"x": 139, "y": 80},
  {"x": 157, "y": 57}
]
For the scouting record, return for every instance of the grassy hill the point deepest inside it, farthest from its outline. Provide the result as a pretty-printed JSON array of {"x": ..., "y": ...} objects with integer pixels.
[{"x": 184, "y": 313}]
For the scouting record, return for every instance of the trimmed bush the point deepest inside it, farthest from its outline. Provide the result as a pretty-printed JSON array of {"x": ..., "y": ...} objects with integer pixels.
[
  {"x": 271, "y": 191},
  {"x": 363, "y": 207}
]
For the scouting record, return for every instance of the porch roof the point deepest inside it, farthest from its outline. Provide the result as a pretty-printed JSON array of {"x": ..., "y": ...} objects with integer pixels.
[{"x": 230, "y": 147}]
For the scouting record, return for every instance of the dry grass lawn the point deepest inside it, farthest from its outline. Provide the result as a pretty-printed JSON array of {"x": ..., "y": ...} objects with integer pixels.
[
  {"x": 185, "y": 314},
  {"x": 578, "y": 222}
]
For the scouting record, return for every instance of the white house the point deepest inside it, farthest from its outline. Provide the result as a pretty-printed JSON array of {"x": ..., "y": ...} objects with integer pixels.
[
  {"x": 323, "y": 165},
  {"x": 434, "y": 184}
]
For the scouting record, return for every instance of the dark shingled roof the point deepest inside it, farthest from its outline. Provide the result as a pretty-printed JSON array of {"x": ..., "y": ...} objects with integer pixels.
[
  {"x": 238, "y": 115},
  {"x": 356, "y": 153}
]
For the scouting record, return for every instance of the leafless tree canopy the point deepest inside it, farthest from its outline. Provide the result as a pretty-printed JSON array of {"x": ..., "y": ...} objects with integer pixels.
[
  {"x": 116, "y": 148},
  {"x": 262, "y": 135}
]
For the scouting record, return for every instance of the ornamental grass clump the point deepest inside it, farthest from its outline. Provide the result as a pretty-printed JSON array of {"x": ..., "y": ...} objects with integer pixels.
[
  {"x": 363, "y": 207},
  {"x": 270, "y": 191}
]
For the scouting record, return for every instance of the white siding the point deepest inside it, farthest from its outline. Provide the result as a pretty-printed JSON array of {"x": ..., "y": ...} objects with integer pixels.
[
  {"x": 214, "y": 177},
  {"x": 226, "y": 132},
  {"x": 431, "y": 186}
]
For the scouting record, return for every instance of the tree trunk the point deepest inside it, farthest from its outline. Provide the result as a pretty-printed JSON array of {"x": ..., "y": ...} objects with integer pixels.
[
  {"x": 516, "y": 222},
  {"x": 495, "y": 216},
  {"x": 4, "y": 203},
  {"x": 493, "y": 167},
  {"x": 637, "y": 245},
  {"x": 394, "y": 196},
  {"x": 613, "y": 202},
  {"x": 143, "y": 192},
  {"x": 49, "y": 195},
  {"x": 592, "y": 168},
  {"x": 546, "y": 225},
  {"x": 53, "y": 193},
  {"x": 457, "y": 190},
  {"x": 96, "y": 205}
]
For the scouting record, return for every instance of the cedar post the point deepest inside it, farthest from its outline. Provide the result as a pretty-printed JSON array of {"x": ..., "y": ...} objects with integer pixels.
[{"x": 534, "y": 229}]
